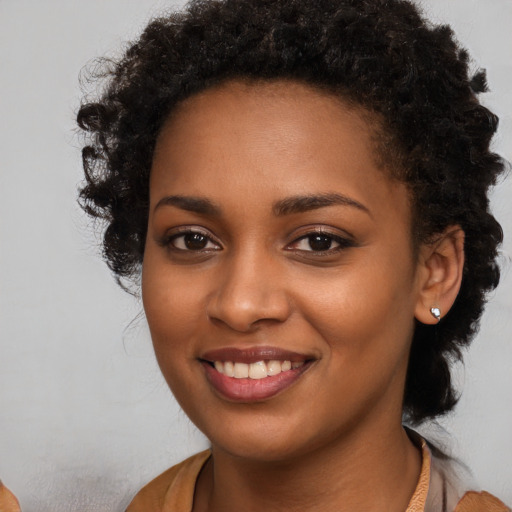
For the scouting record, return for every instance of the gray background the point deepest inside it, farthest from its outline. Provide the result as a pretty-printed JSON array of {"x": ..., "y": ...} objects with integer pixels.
[{"x": 85, "y": 417}]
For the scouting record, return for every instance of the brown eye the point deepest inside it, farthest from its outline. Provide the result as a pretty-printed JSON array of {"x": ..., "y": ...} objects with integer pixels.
[
  {"x": 193, "y": 241},
  {"x": 320, "y": 242},
  {"x": 317, "y": 242}
]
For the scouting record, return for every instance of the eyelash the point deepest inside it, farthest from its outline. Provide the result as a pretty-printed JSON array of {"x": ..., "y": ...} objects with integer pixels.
[
  {"x": 342, "y": 242},
  {"x": 170, "y": 240}
]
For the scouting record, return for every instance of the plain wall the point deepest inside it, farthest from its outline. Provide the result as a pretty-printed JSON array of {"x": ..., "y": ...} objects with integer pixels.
[{"x": 85, "y": 417}]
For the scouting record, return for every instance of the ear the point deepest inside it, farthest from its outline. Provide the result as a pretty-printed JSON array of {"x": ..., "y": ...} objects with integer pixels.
[{"x": 440, "y": 274}]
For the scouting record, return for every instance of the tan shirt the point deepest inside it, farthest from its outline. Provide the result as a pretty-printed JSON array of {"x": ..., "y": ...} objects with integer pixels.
[
  {"x": 8, "y": 502},
  {"x": 173, "y": 490}
]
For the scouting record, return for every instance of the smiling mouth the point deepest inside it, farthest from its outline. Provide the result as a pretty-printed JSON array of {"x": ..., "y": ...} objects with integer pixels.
[
  {"x": 256, "y": 371},
  {"x": 254, "y": 374}
]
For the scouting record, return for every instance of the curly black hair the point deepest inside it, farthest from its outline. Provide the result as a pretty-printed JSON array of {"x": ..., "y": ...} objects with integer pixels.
[{"x": 379, "y": 54}]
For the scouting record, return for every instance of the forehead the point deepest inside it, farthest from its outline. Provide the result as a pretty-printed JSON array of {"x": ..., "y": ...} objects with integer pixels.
[
  {"x": 274, "y": 139},
  {"x": 263, "y": 101}
]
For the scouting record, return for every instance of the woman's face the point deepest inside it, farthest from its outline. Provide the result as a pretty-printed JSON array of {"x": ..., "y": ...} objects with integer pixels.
[{"x": 279, "y": 281}]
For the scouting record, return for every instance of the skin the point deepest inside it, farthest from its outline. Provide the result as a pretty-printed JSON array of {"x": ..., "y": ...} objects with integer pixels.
[{"x": 333, "y": 440}]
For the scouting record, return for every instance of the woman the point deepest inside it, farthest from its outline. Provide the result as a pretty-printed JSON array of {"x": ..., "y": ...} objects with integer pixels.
[{"x": 302, "y": 188}]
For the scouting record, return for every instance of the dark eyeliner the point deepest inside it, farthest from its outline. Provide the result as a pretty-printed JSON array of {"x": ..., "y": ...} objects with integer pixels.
[
  {"x": 344, "y": 242},
  {"x": 166, "y": 240}
]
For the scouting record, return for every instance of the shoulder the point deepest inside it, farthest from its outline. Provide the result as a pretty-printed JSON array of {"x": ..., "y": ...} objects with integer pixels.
[
  {"x": 8, "y": 502},
  {"x": 474, "y": 501},
  {"x": 179, "y": 479},
  {"x": 451, "y": 487}
]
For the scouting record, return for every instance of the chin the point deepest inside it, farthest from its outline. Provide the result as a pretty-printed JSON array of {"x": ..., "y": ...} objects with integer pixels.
[
  {"x": 258, "y": 439},
  {"x": 261, "y": 450},
  {"x": 274, "y": 441}
]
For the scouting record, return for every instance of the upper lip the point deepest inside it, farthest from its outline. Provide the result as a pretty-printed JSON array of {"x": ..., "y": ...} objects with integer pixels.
[{"x": 253, "y": 354}]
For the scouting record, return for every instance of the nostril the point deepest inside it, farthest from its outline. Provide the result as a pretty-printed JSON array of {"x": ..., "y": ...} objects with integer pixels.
[{"x": 248, "y": 311}]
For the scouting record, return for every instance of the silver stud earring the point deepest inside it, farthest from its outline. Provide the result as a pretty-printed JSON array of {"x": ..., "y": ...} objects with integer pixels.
[{"x": 436, "y": 313}]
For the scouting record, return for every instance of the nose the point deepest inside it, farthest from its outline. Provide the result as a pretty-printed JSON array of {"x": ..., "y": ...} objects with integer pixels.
[{"x": 248, "y": 293}]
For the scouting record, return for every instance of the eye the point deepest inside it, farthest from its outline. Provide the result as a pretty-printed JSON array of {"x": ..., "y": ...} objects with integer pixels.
[
  {"x": 192, "y": 241},
  {"x": 316, "y": 242},
  {"x": 319, "y": 242}
]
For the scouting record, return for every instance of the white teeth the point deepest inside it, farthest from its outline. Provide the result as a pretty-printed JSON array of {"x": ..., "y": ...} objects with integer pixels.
[
  {"x": 241, "y": 371},
  {"x": 229, "y": 369},
  {"x": 273, "y": 367},
  {"x": 257, "y": 370}
]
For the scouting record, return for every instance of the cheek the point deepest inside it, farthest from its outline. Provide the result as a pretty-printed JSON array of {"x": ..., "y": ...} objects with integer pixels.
[
  {"x": 366, "y": 307},
  {"x": 173, "y": 306},
  {"x": 171, "y": 311}
]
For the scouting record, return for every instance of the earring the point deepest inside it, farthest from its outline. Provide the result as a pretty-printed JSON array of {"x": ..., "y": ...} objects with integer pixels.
[{"x": 436, "y": 313}]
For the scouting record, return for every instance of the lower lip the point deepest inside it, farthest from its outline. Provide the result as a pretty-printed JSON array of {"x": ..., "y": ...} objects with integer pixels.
[{"x": 252, "y": 390}]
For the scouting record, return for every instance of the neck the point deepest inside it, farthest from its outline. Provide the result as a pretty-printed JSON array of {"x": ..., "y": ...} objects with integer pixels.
[{"x": 371, "y": 470}]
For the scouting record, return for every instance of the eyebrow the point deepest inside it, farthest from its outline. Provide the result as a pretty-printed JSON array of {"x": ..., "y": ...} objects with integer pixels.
[
  {"x": 301, "y": 204},
  {"x": 198, "y": 205},
  {"x": 287, "y": 206}
]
